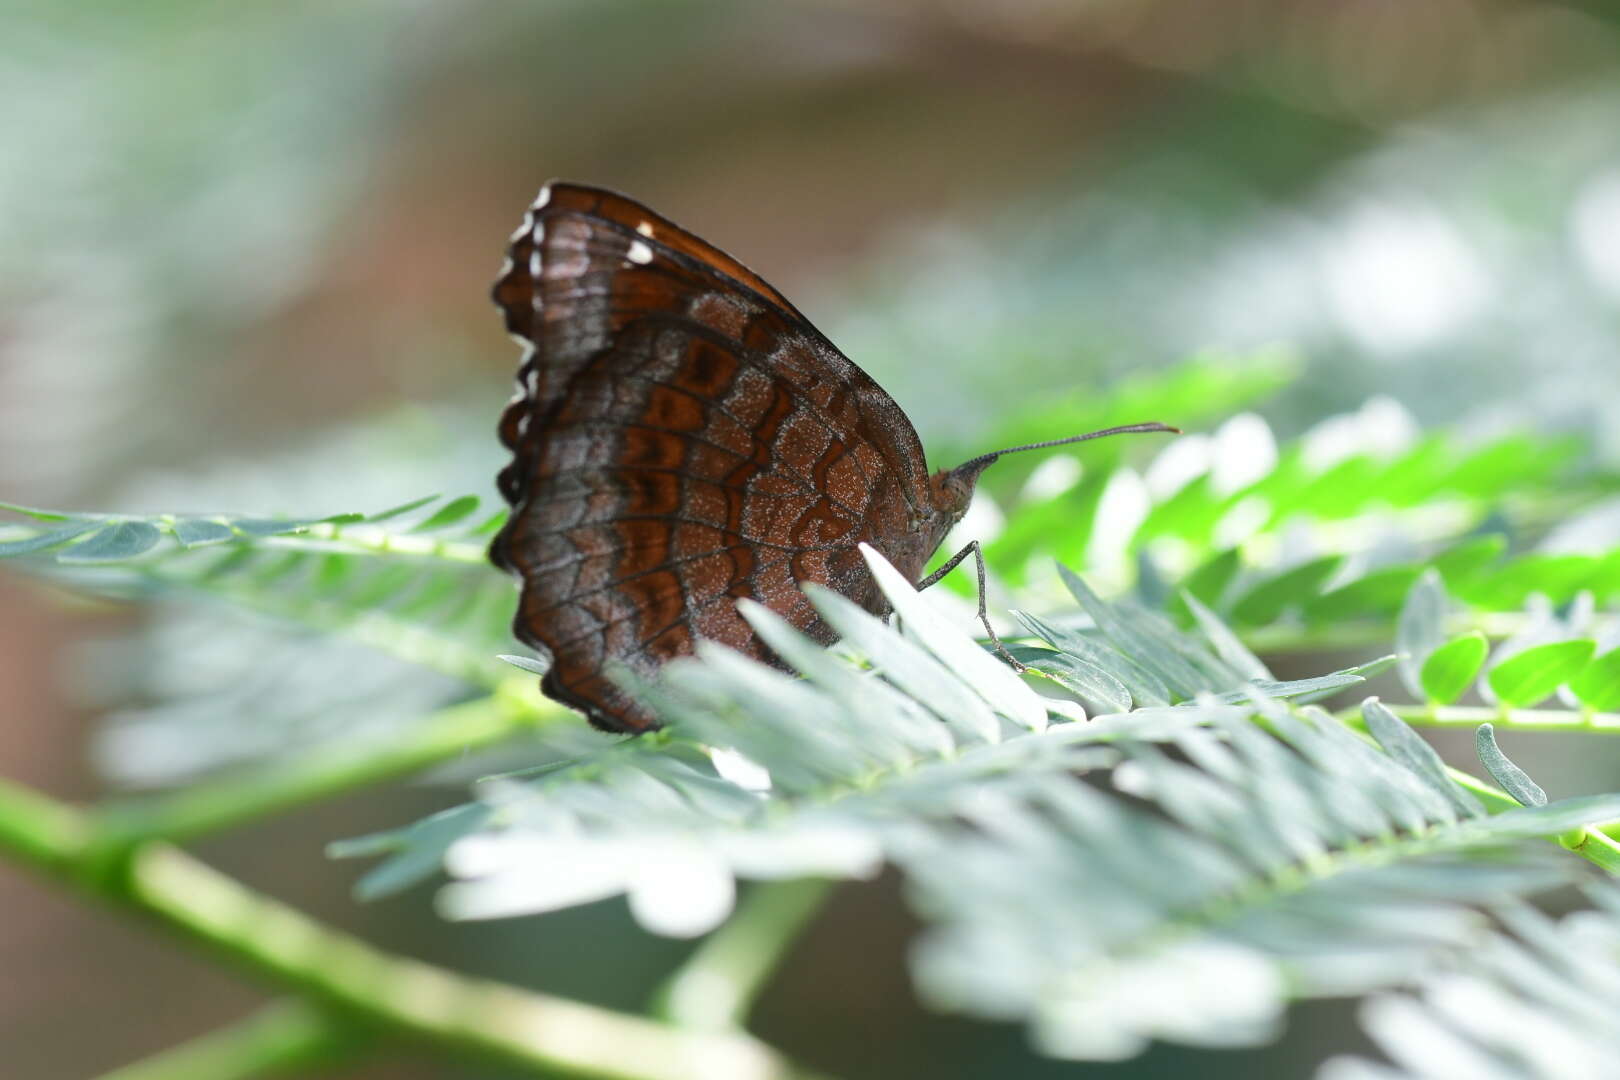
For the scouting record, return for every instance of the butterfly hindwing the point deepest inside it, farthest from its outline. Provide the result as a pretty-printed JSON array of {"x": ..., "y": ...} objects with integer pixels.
[{"x": 682, "y": 437}]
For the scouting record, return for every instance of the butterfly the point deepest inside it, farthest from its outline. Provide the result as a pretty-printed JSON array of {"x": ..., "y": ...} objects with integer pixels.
[{"x": 683, "y": 437}]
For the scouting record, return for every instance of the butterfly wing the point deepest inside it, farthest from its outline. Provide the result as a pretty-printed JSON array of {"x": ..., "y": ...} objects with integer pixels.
[{"x": 681, "y": 437}]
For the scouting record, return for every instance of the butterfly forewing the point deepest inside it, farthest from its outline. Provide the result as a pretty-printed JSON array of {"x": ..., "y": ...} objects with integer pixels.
[{"x": 682, "y": 437}]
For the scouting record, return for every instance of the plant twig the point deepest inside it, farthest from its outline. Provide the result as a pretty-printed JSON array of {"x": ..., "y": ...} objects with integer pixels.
[
  {"x": 216, "y": 805},
  {"x": 41, "y": 832},
  {"x": 716, "y": 986},
  {"x": 1595, "y": 845},
  {"x": 328, "y": 970},
  {"x": 1507, "y": 719},
  {"x": 1286, "y": 638},
  {"x": 285, "y": 1036}
]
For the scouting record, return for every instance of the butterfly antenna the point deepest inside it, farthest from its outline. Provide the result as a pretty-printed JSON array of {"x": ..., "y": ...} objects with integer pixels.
[{"x": 983, "y": 460}]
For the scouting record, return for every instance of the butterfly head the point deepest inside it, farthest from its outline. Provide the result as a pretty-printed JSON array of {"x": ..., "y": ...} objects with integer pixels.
[{"x": 951, "y": 490}]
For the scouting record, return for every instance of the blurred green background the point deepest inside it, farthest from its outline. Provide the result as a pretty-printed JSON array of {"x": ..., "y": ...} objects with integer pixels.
[{"x": 244, "y": 263}]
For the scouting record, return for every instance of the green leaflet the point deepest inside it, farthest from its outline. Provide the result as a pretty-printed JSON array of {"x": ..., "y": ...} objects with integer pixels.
[
  {"x": 1148, "y": 642},
  {"x": 1420, "y": 629},
  {"x": 114, "y": 542},
  {"x": 1227, "y": 644},
  {"x": 1408, "y": 747},
  {"x": 1513, "y": 780},
  {"x": 907, "y": 665},
  {"x": 45, "y": 540},
  {"x": 1265, "y": 602},
  {"x": 1450, "y": 668},
  {"x": 1378, "y": 593},
  {"x": 1551, "y": 999},
  {"x": 1144, "y": 686},
  {"x": 1532, "y": 675},
  {"x": 35, "y": 513},
  {"x": 402, "y": 509},
  {"x": 1598, "y": 684},
  {"x": 197, "y": 532},
  {"x": 1209, "y": 582},
  {"x": 1102, "y": 692},
  {"x": 451, "y": 512}
]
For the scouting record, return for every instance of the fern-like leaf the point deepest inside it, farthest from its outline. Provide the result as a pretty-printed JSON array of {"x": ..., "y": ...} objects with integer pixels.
[{"x": 1175, "y": 871}]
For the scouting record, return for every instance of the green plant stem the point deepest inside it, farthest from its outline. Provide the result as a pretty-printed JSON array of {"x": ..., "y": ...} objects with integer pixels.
[
  {"x": 376, "y": 540},
  {"x": 335, "y": 973},
  {"x": 41, "y": 832},
  {"x": 1594, "y": 844},
  {"x": 1469, "y": 716},
  {"x": 286, "y": 1036},
  {"x": 1287, "y": 639},
  {"x": 213, "y": 806},
  {"x": 716, "y": 986}
]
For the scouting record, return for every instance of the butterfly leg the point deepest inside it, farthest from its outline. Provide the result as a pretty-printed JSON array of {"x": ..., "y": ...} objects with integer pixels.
[{"x": 972, "y": 548}]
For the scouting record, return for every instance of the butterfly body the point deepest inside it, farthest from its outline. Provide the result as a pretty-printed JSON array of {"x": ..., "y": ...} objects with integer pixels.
[{"x": 682, "y": 437}]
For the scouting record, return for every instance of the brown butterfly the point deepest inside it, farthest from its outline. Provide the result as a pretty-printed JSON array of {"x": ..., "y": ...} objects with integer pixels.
[{"x": 682, "y": 437}]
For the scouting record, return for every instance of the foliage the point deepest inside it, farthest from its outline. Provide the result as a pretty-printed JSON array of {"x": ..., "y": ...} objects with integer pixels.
[
  {"x": 1232, "y": 845},
  {"x": 411, "y": 579},
  {"x": 1534, "y": 998},
  {"x": 1224, "y": 870},
  {"x": 1551, "y": 654}
]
